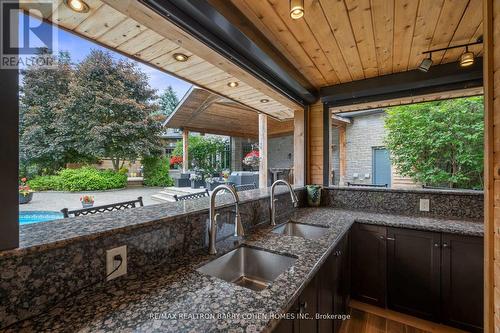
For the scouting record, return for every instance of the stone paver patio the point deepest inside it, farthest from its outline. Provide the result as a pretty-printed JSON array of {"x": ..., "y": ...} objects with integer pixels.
[{"x": 55, "y": 201}]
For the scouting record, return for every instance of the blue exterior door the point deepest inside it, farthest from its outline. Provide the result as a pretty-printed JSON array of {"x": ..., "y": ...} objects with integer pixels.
[{"x": 381, "y": 167}]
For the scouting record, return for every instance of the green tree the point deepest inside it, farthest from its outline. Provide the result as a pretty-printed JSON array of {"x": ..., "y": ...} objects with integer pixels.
[
  {"x": 168, "y": 101},
  {"x": 438, "y": 143},
  {"x": 42, "y": 97},
  {"x": 204, "y": 152},
  {"x": 110, "y": 110}
]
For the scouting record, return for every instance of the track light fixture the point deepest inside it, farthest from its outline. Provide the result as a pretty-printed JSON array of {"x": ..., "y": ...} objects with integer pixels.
[
  {"x": 426, "y": 64},
  {"x": 296, "y": 9},
  {"x": 466, "y": 59}
]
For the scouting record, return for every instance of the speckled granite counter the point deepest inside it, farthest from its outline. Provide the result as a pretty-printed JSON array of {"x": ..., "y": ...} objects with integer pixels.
[
  {"x": 187, "y": 301},
  {"x": 463, "y": 227}
]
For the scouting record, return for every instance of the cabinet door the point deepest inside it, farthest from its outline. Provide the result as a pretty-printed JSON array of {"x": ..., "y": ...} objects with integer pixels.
[
  {"x": 308, "y": 307},
  {"x": 326, "y": 285},
  {"x": 368, "y": 264},
  {"x": 413, "y": 266},
  {"x": 462, "y": 282},
  {"x": 340, "y": 281},
  {"x": 289, "y": 325}
]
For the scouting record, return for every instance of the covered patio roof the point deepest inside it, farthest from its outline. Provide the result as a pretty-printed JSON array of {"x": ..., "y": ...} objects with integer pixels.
[{"x": 203, "y": 111}]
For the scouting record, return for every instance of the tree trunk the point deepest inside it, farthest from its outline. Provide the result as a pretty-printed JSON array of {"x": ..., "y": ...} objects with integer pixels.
[{"x": 116, "y": 163}]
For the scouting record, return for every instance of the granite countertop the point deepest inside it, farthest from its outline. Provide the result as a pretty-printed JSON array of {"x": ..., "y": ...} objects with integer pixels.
[
  {"x": 185, "y": 300},
  {"x": 44, "y": 235}
]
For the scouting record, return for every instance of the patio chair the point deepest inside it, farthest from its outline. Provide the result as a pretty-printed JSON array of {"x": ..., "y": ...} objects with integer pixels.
[
  {"x": 246, "y": 187},
  {"x": 192, "y": 196},
  {"x": 103, "y": 208}
]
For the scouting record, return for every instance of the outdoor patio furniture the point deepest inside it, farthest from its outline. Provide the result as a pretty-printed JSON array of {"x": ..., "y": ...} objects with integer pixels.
[
  {"x": 103, "y": 208},
  {"x": 244, "y": 177},
  {"x": 246, "y": 187},
  {"x": 280, "y": 173},
  {"x": 192, "y": 196},
  {"x": 182, "y": 180},
  {"x": 367, "y": 185}
]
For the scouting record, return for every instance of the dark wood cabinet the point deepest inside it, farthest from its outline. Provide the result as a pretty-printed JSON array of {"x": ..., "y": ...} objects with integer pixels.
[
  {"x": 325, "y": 295},
  {"x": 341, "y": 277},
  {"x": 308, "y": 307},
  {"x": 462, "y": 282},
  {"x": 432, "y": 275},
  {"x": 368, "y": 263},
  {"x": 413, "y": 272}
]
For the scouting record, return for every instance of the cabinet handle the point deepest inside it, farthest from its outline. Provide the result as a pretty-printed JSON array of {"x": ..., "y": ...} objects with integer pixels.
[
  {"x": 337, "y": 253},
  {"x": 381, "y": 237},
  {"x": 391, "y": 239},
  {"x": 445, "y": 245},
  {"x": 437, "y": 245},
  {"x": 302, "y": 307}
]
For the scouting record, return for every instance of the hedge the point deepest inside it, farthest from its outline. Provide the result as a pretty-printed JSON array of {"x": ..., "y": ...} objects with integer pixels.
[
  {"x": 83, "y": 179},
  {"x": 156, "y": 171}
]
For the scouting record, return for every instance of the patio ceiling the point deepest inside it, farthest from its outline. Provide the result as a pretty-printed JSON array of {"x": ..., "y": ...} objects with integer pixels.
[
  {"x": 346, "y": 40},
  {"x": 205, "y": 112},
  {"x": 132, "y": 29}
]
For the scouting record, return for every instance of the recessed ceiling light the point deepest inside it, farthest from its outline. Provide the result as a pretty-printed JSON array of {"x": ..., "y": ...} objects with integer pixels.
[
  {"x": 180, "y": 57},
  {"x": 264, "y": 100},
  {"x": 296, "y": 9},
  {"x": 467, "y": 58},
  {"x": 77, "y": 6},
  {"x": 233, "y": 84}
]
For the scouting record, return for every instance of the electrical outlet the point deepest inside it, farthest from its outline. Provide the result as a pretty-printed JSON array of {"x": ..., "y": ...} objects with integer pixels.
[
  {"x": 424, "y": 205},
  {"x": 112, "y": 264}
]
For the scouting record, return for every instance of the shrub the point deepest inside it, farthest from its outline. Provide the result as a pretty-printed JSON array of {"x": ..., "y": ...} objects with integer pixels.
[
  {"x": 156, "y": 171},
  {"x": 45, "y": 183},
  {"x": 83, "y": 179}
]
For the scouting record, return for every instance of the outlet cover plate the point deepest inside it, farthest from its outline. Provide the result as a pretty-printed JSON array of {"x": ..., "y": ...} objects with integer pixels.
[
  {"x": 111, "y": 265},
  {"x": 424, "y": 205}
]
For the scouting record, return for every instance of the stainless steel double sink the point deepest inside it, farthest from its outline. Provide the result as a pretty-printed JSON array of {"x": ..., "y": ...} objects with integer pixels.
[{"x": 255, "y": 268}]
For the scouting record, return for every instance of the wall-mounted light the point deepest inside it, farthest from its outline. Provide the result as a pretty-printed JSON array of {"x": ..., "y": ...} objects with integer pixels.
[
  {"x": 233, "y": 84},
  {"x": 180, "y": 57},
  {"x": 296, "y": 9},
  {"x": 78, "y": 6},
  {"x": 467, "y": 58},
  {"x": 426, "y": 64},
  {"x": 264, "y": 100}
]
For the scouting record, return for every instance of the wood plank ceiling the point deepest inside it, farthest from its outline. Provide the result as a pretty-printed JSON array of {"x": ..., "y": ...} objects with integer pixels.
[
  {"x": 339, "y": 41},
  {"x": 132, "y": 29},
  {"x": 205, "y": 112}
]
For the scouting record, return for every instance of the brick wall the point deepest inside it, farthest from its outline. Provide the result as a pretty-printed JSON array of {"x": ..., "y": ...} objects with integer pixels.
[{"x": 364, "y": 133}]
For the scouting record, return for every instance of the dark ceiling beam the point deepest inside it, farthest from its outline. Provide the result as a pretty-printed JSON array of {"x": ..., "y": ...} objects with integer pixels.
[
  {"x": 207, "y": 24},
  {"x": 439, "y": 78}
]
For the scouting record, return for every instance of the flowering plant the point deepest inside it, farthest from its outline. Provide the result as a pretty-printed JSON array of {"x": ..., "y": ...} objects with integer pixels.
[
  {"x": 225, "y": 174},
  {"x": 24, "y": 188},
  {"x": 87, "y": 199},
  {"x": 252, "y": 159},
  {"x": 195, "y": 176},
  {"x": 175, "y": 160}
]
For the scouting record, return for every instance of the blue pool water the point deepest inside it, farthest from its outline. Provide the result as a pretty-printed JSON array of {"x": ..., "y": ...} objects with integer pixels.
[{"x": 29, "y": 217}]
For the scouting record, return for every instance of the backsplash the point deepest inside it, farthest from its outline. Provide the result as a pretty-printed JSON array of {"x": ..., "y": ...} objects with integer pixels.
[
  {"x": 33, "y": 280},
  {"x": 449, "y": 204}
]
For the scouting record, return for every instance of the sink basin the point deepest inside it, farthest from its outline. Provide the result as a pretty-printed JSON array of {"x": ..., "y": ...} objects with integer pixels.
[
  {"x": 303, "y": 230},
  {"x": 248, "y": 267}
]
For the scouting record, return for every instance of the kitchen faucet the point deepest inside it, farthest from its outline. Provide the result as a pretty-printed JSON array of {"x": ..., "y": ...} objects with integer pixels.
[
  {"x": 273, "y": 201},
  {"x": 212, "y": 231}
]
